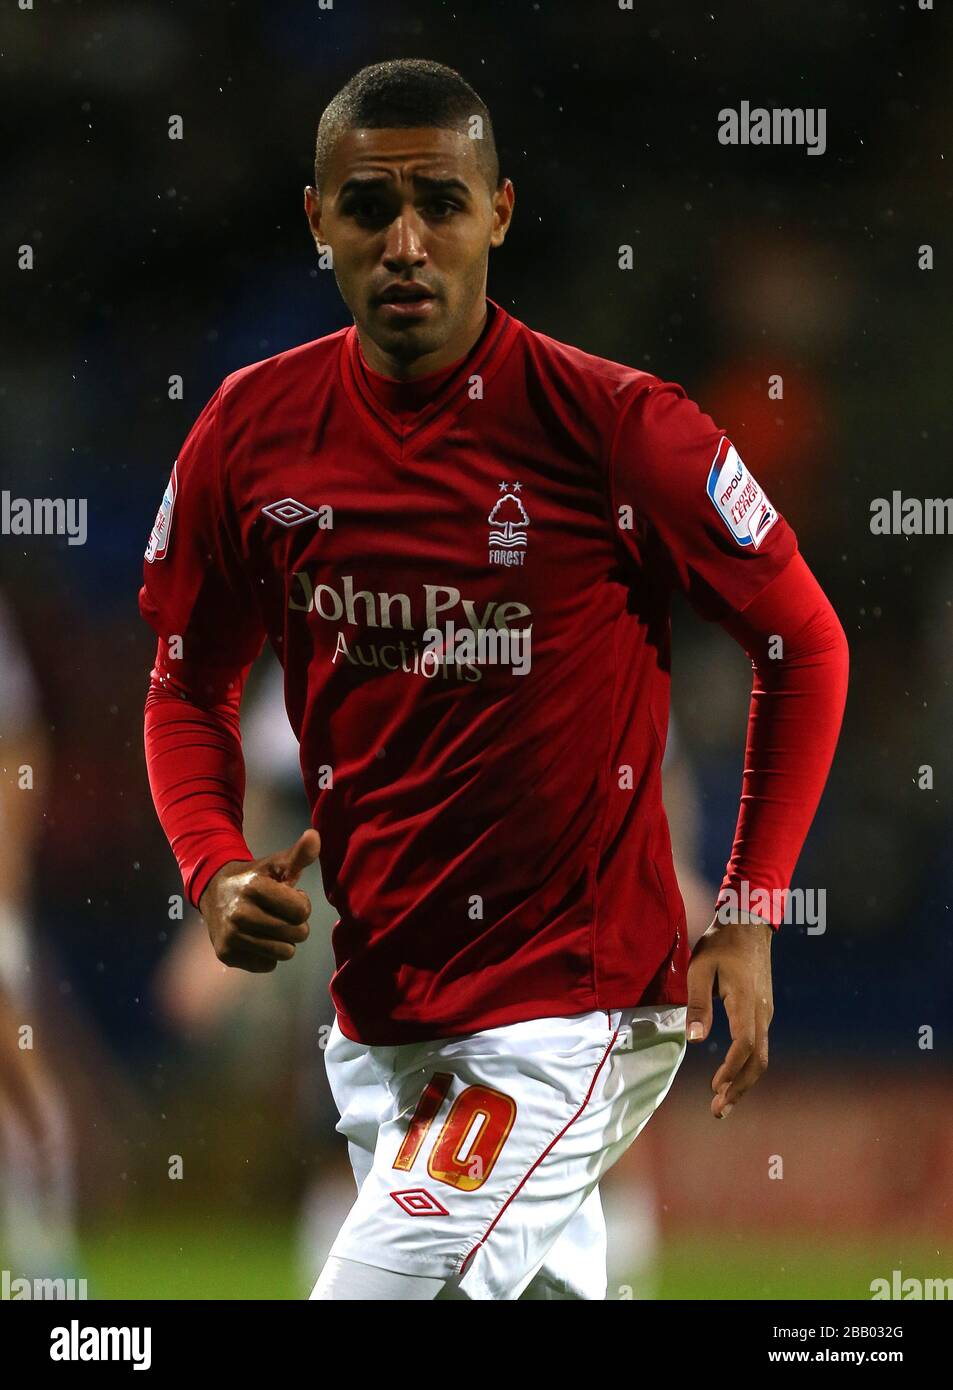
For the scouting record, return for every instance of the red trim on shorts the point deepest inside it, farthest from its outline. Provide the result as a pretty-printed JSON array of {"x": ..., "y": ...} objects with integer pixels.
[{"x": 549, "y": 1148}]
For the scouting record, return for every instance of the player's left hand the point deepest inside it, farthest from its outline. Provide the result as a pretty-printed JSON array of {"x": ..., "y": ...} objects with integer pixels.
[{"x": 737, "y": 958}]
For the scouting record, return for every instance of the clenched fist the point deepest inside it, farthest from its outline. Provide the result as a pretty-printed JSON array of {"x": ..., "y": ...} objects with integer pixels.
[{"x": 254, "y": 913}]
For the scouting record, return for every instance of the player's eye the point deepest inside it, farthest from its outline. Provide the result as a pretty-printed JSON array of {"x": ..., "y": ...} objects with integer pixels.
[
  {"x": 365, "y": 209},
  {"x": 442, "y": 207}
]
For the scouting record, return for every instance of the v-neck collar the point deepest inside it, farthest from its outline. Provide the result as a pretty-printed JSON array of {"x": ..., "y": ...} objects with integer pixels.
[{"x": 400, "y": 437}]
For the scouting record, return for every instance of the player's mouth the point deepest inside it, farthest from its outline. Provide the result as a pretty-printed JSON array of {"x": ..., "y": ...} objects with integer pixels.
[{"x": 407, "y": 300}]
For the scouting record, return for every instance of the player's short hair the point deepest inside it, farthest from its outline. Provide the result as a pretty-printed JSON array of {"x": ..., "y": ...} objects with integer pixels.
[{"x": 403, "y": 93}]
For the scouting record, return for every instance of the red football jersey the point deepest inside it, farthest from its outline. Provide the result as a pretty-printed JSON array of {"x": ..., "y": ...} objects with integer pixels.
[{"x": 493, "y": 840}]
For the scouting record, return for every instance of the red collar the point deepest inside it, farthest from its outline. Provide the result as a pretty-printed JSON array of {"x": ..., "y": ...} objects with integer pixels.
[
  {"x": 404, "y": 397},
  {"x": 406, "y": 413}
]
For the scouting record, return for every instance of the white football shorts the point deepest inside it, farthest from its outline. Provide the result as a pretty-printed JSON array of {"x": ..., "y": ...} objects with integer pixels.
[{"x": 477, "y": 1158}]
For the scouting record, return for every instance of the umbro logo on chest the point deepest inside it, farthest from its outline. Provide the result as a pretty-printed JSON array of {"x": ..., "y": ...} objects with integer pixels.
[{"x": 290, "y": 512}]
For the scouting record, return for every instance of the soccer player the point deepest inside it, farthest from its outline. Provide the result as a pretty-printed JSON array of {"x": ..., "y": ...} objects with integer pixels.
[{"x": 514, "y": 987}]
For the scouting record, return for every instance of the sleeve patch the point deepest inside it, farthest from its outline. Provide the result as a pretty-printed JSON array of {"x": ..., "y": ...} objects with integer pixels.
[
  {"x": 162, "y": 526},
  {"x": 738, "y": 498}
]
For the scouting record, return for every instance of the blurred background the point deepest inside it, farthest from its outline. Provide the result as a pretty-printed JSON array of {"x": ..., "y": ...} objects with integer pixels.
[{"x": 165, "y": 1128}]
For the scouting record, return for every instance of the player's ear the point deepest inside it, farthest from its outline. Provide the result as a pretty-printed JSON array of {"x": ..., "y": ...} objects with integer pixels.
[
  {"x": 312, "y": 207},
  {"x": 503, "y": 200}
]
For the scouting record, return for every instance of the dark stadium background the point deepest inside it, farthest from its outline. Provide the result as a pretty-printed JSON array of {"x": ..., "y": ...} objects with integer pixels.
[{"x": 156, "y": 257}]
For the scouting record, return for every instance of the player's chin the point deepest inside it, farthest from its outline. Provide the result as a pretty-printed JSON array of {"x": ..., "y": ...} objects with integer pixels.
[{"x": 420, "y": 324}]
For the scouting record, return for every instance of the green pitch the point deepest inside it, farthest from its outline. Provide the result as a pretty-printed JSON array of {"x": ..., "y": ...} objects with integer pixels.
[{"x": 223, "y": 1258}]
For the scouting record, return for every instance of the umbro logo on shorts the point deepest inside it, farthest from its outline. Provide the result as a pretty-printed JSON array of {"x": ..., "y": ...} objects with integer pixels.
[{"x": 417, "y": 1201}]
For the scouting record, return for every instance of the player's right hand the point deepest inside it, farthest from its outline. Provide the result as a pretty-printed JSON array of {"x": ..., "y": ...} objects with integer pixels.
[{"x": 254, "y": 913}]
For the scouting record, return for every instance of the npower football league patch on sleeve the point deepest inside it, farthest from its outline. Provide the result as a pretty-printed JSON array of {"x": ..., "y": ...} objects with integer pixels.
[
  {"x": 162, "y": 526},
  {"x": 739, "y": 498}
]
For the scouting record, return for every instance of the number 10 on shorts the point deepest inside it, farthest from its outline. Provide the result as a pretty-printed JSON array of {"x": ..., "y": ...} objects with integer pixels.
[{"x": 472, "y": 1136}]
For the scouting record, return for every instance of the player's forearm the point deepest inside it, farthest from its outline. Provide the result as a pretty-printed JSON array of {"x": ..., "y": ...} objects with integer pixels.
[
  {"x": 196, "y": 774},
  {"x": 797, "y": 705}
]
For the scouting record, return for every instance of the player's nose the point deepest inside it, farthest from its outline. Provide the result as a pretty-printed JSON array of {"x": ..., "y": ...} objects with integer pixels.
[{"x": 404, "y": 246}]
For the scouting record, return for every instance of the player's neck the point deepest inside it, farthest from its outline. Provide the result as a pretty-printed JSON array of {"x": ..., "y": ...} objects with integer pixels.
[{"x": 457, "y": 346}]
